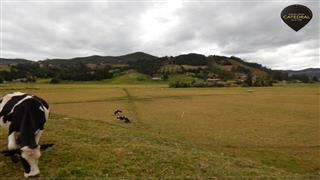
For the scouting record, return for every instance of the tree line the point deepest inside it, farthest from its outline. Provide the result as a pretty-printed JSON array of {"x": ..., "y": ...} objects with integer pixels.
[{"x": 75, "y": 72}]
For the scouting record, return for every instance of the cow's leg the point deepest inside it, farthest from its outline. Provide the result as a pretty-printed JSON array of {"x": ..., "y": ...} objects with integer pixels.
[
  {"x": 38, "y": 136},
  {"x": 12, "y": 137},
  {"x": 12, "y": 141},
  {"x": 30, "y": 159}
]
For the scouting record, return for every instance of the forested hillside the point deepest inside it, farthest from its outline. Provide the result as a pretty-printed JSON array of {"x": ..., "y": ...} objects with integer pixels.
[{"x": 211, "y": 70}]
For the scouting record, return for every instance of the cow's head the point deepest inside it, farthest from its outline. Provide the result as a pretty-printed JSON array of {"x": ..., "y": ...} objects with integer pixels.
[{"x": 29, "y": 159}]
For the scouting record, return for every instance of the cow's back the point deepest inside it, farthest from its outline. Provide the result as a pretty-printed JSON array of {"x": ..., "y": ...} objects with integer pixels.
[
  {"x": 27, "y": 118},
  {"x": 10, "y": 102}
]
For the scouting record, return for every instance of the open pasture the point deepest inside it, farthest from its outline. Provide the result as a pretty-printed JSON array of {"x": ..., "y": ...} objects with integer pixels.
[{"x": 192, "y": 132}]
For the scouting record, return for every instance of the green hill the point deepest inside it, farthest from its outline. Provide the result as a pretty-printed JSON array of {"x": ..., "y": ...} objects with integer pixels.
[
  {"x": 96, "y": 59},
  {"x": 129, "y": 78},
  {"x": 190, "y": 66},
  {"x": 14, "y": 61}
]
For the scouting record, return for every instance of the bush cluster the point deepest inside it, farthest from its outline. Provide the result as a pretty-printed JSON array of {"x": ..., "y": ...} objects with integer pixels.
[{"x": 180, "y": 84}]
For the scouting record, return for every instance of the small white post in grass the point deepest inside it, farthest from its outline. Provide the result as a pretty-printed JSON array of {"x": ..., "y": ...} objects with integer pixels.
[{"x": 182, "y": 114}]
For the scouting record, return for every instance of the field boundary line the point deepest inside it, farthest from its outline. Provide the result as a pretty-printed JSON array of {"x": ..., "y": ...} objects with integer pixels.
[
  {"x": 137, "y": 98},
  {"x": 134, "y": 108}
]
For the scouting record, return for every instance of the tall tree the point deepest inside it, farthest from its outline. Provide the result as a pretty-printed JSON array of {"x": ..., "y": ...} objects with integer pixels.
[{"x": 248, "y": 81}]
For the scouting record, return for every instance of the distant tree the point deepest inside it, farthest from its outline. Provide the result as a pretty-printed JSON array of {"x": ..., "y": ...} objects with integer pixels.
[
  {"x": 240, "y": 69},
  {"x": 191, "y": 59},
  {"x": 179, "y": 84},
  {"x": 268, "y": 81},
  {"x": 301, "y": 77},
  {"x": 315, "y": 79},
  {"x": 238, "y": 82},
  {"x": 259, "y": 82},
  {"x": 7, "y": 76},
  {"x": 183, "y": 70},
  {"x": 165, "y": 76},
  {"x": 55, "y": 81},
  {"x": 222, "y": 74},
  {"x": 248, "y": 80},
  {"x": 149, "y": 67},
  {"x": 279, "y": 75},
  {"x": 31, "y": 79},
  {"x": 250, "y": 64},
  {"x": 81, "y": 72}
]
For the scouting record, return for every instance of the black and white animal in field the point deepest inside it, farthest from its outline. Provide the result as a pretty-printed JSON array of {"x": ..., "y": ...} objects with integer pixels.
[
  {"x": 117, "y": 112},
  {"x": 25, "y": 116},
  {"x": 124, "y": 119},
  {"x": 120, "y": 117}
]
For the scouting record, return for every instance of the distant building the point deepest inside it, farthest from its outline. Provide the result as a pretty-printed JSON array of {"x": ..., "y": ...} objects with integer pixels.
[
  {"x": 213, "y": 80},
  {"x": 156, "y": 78},
  {"x": 20, "y": 80},
  {"x": 282, "y": 82}
]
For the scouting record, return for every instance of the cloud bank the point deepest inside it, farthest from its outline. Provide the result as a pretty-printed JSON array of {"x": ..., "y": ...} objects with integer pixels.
[{"x": 251, "y": 30}]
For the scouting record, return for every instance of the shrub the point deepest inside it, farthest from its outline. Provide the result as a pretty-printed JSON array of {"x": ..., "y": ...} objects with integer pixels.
[
  {"x": 55, "y": 81},
  {"x": 179, "y": 84}
]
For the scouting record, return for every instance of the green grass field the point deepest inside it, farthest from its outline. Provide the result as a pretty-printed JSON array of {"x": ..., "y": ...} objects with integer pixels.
[
  {"x": 132, "y": 78},
  {"x": 207, "y": 132}
]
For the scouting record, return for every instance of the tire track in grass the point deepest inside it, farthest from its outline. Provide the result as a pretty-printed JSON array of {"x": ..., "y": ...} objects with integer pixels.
[
  {"x": 133, "y": 106},
  {"x": 140, "y": 124},
  {"x": 127, "y": 98},
  {"x": 137, "y": 98}
]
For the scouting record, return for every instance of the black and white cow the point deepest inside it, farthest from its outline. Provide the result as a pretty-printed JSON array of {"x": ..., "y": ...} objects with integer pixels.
[
  {"x": 25, "y": 116},
  {"x": 122, "y": 118}
]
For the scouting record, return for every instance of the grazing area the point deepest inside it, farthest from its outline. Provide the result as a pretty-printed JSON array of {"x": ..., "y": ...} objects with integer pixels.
[{"x": 193, "y": 132}]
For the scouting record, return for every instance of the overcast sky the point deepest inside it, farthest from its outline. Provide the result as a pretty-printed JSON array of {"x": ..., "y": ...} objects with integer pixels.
[{"x": 254, "y": 31}]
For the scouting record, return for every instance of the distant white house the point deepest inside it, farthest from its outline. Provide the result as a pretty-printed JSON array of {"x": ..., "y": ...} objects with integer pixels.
[
  {"x": 20, "y": 80},
  {"x": 282, "y": 82},
  {"x": 156, "y": 78},
  {"x": 213, "y": 80}
]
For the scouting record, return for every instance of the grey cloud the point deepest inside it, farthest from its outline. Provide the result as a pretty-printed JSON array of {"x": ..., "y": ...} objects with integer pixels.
[
  {"x": 250, "y": 30},
  {"x": 243, "y": 27},
  {"x": 56, "y": 28}
]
